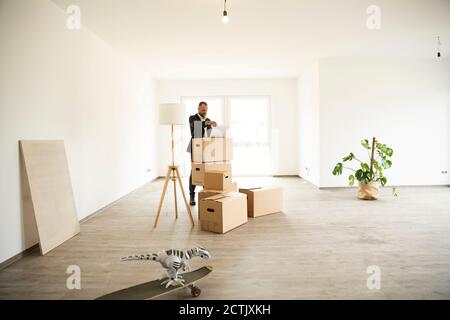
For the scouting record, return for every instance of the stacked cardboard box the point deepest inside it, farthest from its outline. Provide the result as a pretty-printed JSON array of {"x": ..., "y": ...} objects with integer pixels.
[
  {"x": 210, "y": 154},
  {"x": 199, "y": 169},
  {"x": 221, "y": 207},
  {"x": 212, "y": 149}
]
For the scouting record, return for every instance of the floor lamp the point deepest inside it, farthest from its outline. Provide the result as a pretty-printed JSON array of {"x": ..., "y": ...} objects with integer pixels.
[{"x": 172, "y": 114}]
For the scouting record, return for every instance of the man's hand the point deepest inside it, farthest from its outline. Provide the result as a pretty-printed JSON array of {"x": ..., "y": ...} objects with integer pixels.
[{"x": 211, "y": 123}]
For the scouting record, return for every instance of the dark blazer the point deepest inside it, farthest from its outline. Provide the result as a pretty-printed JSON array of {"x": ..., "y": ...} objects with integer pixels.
[{"x": 196, "y": 122}]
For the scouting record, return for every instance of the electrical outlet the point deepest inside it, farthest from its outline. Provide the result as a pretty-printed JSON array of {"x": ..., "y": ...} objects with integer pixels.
[
  {"x": 444, "y": 172},
  {"x": 148, "y": 170}
]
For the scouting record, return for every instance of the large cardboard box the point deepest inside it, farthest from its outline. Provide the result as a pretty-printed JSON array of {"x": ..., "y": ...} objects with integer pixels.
[
  {"x": 212, "y": 149},
  {"x": 224, "y": 212},
  {"x": 199, "y": 169},
  {"x": 263, "y": 200},
  {"x": 205, "y": 193},
  {"x": 227, "y": 151},
  {"x": 217, "y": 180}
]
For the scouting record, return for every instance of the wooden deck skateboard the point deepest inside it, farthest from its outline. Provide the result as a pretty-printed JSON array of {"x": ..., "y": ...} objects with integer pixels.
[{"x": 154, "y": 289}]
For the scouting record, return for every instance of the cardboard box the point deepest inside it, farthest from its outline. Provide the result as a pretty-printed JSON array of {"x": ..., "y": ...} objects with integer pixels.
[
  {"x": 209, "y": 193},
  {"x": 212, "y": 149},
  {"x": 227, "y": 151},
  {"x": 199, "y": 169},
  {"x": 223, "y": 212},
  {"x": 262, "y": 201},
  {"x": 205, "y": 193},
  {"x": 217, "y": 180}
]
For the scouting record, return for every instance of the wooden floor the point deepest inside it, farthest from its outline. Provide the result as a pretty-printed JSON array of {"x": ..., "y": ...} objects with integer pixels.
[{"x": 319, "y": 247}]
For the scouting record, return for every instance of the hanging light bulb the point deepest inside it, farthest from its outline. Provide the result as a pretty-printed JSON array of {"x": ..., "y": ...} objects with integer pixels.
[
  {"x": 225, "y": 17},
  {"x": 225, "y": 13},
  {"x": 438, "y": 54}
]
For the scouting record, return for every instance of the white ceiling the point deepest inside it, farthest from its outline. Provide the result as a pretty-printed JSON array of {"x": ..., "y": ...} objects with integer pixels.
[{"x": 264, "y": 38}]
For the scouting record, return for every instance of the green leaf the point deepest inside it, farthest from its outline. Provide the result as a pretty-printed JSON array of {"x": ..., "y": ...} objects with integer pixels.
[
  {"x": 376, "y": 165},
  {"x": 367, "y": 176},
  {"x": 351, "y": 180},
  {"x": 383, "y": 180},
  {"x": 365, "y": 166},
  {"x": 389, "y": 152},
  {"x": 359, "y": 174},
  {"x": 365, "y": 144},
  {"x": 386, "y": 163},
  {"x": 382, "y": 148},
  {"x": 337, "y": 169},
  {"x": 350, "y": 157},
  {"x": 380, "y": 172}
]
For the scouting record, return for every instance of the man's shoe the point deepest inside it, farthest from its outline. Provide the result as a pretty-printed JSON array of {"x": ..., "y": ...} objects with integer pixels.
[{"x": 192, "y": 201}]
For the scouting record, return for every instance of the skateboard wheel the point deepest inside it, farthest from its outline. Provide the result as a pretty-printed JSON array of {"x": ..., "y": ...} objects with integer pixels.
[{"x": 195, "y": 291}]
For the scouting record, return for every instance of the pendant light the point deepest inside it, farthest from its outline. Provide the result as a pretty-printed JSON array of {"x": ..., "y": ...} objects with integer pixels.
[
  {"x": 438, "y": 49},
  {"x": 225, "y": 13}
]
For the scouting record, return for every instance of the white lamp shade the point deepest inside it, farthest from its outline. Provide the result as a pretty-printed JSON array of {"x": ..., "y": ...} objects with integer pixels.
[{"x": 171, "y": 113}]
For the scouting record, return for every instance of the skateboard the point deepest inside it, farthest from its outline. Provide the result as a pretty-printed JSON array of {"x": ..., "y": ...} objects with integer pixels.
[{"x": 154, "y": 289}]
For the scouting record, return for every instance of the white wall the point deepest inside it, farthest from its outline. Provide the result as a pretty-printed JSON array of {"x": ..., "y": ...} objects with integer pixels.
[
  {"x": 62, "y": 84},
  {"x": 404, "y": 103},
  {"x": 308, "y": 125},
  {"x": 283, "y": 94}
]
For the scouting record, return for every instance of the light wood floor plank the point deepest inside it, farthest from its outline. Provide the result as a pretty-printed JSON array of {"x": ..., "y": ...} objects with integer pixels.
[{"x": 319, "y": 247}]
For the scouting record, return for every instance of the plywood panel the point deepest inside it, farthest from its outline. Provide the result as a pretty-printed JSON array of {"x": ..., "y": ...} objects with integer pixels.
[{"x": 47, "y": 174}]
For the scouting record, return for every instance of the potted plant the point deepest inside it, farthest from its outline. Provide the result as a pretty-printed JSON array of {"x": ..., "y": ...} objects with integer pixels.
[{"x": 370, "y": 175}]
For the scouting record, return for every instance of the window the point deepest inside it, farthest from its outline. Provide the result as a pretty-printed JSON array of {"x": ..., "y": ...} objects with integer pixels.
[
  {"x": 249, "y": 127},
  {"x": 248, "y": 119}
]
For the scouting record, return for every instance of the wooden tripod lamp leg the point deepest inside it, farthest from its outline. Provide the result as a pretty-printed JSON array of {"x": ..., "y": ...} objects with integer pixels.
[
  {"x": 175, "y": 193},
  {"x": 169, "y": 173},
  {"x": 188, "y": 208}
]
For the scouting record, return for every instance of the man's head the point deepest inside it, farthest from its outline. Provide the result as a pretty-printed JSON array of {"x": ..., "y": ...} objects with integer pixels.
[{"x": 202, "y": 109}]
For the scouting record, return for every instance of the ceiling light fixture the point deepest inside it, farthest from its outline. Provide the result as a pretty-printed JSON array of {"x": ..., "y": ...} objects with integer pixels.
[{"x": 225, "y": 13}]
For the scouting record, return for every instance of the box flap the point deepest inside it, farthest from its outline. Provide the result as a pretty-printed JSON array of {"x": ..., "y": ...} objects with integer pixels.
[
  {"x": 223, "y": 197},
  {"x": 250, "y": 189},
  {"x": 266, "y": 188},
  {"x": 256, "y": 189}
]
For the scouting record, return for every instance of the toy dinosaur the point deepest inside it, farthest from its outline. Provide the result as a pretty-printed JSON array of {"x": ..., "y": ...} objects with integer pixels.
[{"x": 173, "y": 261}]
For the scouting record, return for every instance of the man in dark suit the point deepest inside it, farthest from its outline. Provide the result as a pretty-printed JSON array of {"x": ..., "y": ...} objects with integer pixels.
[{"x": 200, "y": 126}]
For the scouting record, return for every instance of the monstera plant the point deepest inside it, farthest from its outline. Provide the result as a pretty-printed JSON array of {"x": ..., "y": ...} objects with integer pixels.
[{"x": 370, "y": 175}]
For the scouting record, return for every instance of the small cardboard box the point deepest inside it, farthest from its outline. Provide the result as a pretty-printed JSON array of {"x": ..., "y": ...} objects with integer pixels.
[
  {"x": 209, "y": 193},
  {"x": 199, "y": 169},
  {"x": 212, "y": 149},
  {"x": 223, "y": 212},
  {"x": 217, "y": 180},
  {"x": 263, "y": 200}
]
